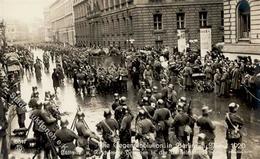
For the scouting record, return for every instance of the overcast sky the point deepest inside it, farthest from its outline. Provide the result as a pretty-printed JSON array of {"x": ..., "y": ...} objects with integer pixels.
[{"x": 23, "y": 10}]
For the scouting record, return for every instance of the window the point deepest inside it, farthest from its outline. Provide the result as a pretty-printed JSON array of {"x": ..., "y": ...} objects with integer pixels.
[
  {"x": 113, "y": 27},
  {"x": 222, "y": 18},
  {"x": 124, "y": 27},
  {"x": 180, "y": 20},
  {"x": 118, "y": 23},
  {"x": 203, "y": 19},
  {"x": 130, "y": 24},
  {"x": 157, "y": 20},
  {"x": 244, "y": 22}
]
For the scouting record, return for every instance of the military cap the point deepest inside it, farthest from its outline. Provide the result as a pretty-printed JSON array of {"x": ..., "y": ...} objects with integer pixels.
[
  {"x": 122, "y": 100},
  {"x": 149, "y": 91},
  {"x": 107, "y": 112},
  {"x": 171, "y": 86},
  {"x": 205, "y": 109},
  {"x": 80, "y": 114},
  {"x": 163, "y": 81},
  {"x": 183, "y": 99},
  {"x": 233, "y": 105},
  {"x": 145, "y": 99},
  {"x": 64, "y": 122},
  {"x": 201, "y": 136},
  {"x": 160, "y": 102},
  {"x": 141, "y": 112},
  {"x": 142, "y": 83},
  {"x": 155, "y": 89},
  {"x": 116, "y": 95}
]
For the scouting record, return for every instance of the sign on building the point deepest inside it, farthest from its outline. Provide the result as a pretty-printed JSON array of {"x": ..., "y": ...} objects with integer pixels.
[
  {"x": 205, "y": 41},
  {"x": 181, "y": 40}
]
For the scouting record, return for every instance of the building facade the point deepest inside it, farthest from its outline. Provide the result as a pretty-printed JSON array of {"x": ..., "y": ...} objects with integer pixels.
[
  {"x": 242, "y": 28},
  {"x": 62, "y": 21},
  {"x": 145, "y": 22},
  {"x": 16, "y": 31},
  {"x": 47, "y": 25}
]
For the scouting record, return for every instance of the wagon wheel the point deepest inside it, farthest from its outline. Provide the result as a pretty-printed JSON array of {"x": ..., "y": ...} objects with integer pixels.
[{"x": 199, "y": 87}]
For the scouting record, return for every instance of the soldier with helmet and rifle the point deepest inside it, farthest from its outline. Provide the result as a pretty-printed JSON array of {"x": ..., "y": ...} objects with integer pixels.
[{"x": 109, "y": 129}]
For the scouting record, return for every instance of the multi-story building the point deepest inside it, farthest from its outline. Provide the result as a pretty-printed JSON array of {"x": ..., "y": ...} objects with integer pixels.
[
  {"x": 16, "y": 31},
  {"x": 146, "y": 22},
  {"x": 47, "y": 25},
  {"x": 242, "y": 28},
  {"x": 62, "y": 21}
]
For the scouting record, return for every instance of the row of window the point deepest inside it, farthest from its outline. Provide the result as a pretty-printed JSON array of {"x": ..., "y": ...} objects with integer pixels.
[
  {"x": 181, "y": 20},
  {"x": 114, "y": 26},
  {"x": 109, "y": 27}
]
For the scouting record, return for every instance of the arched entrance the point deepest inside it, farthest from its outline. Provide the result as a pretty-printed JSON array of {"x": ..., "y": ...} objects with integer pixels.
[{"x": 244, "y": 22}]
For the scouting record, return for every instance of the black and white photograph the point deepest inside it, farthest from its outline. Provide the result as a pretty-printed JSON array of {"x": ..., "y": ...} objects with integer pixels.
[{"x": 129, "y": 79}]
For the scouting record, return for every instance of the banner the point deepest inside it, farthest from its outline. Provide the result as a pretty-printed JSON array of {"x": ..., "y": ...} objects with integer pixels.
[
  {"x": 205, "y": 41},
  {"x": 181, "y": 40}
]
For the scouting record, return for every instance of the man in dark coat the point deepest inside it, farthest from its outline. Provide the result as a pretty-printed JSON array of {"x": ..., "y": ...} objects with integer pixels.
[
  {"x": 116, "y": 101},
  {"x": 207, "y": 127},
  {"x": 161, "y": 116},
  {"x": 145, "y": 133},
  {"x": 55, "y": 80},
  {"x": 181, "y": 120},
  {"x": 88, "y": 140},
  {"x": 38, "y": 69},
  {"x": 66, "y": 138},
  {"x": 135, "y": 78},
  {"x": 125, "y": 135}
]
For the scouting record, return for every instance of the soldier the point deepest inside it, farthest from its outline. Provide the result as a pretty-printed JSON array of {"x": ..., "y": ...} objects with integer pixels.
[
  {"x": 161, "y": 116},
  {"x": 145, "y": 134},
  {"x": 116, "y": 101},
  {"x": 135, "y": 74},
  {"x": 66, "y": 138},
  {"x": 157, "y": 95},
  {"x": 119, "y": 110},
  {"x": 141, "y": 92},
  {"x": 199, "y": 151},
  {"x": 149, "y": 108},
  {"x": 88, "y": 140},
  {"x": 34, "y": 92},
  {"x": 38, "y": 69},
  {"x": 20, "y": 109},
  {"x": 34, "y": 101},
  {"x": 3, "y": 127},
  {"x": 36, "y": 118},
  {"x": 233, "y": 134},
  {"x": 148, "y": 76},
  {"x": 148, "y": 94},
  {"x": 181, "y": 120},
  {"x": 109, "y": 128},
  {"x": 171, "y": 99},
  {"x": 125, "y": 134},
  {"x": 207, "y": 127},
  {"x": 187, "y": 74},
  {"x": 51, "y": 125},
  {"x": 236, "y": 78},
  {"x": 164, "y": 89},
  {"x": 56, "y": 79},
  {"x": 224, "y": 83},
  {"x": 217, "y": 82}
]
